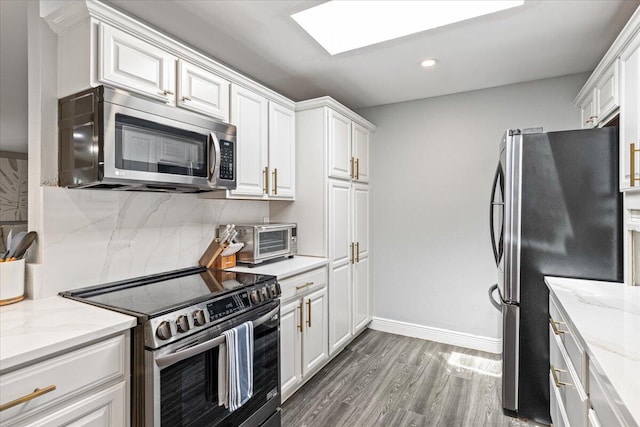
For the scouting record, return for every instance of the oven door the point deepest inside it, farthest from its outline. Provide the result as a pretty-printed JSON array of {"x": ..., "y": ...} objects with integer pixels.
[
  {"x": 182, "y": 378},
  {"x": 271, "y": 242}
]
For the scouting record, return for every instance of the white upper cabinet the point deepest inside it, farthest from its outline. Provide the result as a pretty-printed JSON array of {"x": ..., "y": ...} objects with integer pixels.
[
  {"x": 128, "y": 62},
  {"x": 606, "y": 93},
  {"x": 202, "y": 91},
  {"x": 587, "y": 112},
  {"x": 360, "y": 136},
  {"x": 340, "y": 160},
  {"x": 282, "y": 134},
  {"x": 249, "y": 114},
  {"x": 630, "y": 116}
]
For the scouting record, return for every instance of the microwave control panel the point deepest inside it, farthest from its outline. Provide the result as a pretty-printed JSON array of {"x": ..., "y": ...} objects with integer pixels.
[{"x": 226, "y": 160}]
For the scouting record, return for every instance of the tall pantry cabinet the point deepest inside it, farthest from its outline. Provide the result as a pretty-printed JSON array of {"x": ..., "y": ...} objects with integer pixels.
[{"x": 332, "y": 208}]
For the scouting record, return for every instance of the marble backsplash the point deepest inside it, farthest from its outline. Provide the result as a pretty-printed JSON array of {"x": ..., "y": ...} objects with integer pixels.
[{"x": 91, "y": 237}]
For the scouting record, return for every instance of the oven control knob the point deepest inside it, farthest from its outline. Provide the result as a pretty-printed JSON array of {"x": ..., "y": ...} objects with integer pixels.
[
  {"x": 183, "y": 323},
  {"x": 274, "y": 291},
  {"x": 198, "y": 318},
  {"x": 264, "y": 293},
  {"x": 254, "y": 297},
  {"x": 164, "y": 331}
]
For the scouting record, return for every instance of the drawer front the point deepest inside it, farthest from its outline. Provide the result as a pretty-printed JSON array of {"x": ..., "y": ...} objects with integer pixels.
[
  {"x": 574, "y": 350},
  {"x": 302, "y": 283},
  {"x": 604, "y": 411},
  {"x": 558, "y": 414},
  {"x": 563, "y": 377},
  {"x": 70, "y": 373}
]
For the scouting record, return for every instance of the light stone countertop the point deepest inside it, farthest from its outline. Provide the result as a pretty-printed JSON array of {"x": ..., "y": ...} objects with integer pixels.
[
  {"x": 607, "y": 317},
  {"x": 33, "y": 329},
  {"x": 285, "y": 268}
]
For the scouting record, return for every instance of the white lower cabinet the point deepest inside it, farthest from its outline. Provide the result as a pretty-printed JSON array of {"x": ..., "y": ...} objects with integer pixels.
[
  {"x": 304, "y": 333},
  {"x": 340, "y": 306},
  {"x": 87, "y": 386}
]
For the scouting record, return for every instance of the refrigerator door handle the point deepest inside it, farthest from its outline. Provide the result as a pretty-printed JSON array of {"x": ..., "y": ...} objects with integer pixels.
[
  {"x": 491, "y": 223},
  {"x": 496, "y": 304}
]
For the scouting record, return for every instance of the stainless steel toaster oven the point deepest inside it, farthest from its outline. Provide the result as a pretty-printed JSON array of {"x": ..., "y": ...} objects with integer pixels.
[{"x": 265, "y": 242}]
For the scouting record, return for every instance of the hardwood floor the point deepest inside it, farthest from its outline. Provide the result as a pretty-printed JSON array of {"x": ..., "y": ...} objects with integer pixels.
[{"x": 382, "y": 379}]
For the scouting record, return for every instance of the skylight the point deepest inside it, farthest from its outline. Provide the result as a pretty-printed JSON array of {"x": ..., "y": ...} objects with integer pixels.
[{"x": 343, "y": 25}]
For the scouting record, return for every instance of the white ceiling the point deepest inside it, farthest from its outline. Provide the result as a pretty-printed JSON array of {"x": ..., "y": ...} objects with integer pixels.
[{"x": 259, "y": 38}]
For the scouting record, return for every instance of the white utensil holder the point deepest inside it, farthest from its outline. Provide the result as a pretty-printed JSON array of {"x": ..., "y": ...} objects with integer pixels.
[{"x": 11, "y": 281}]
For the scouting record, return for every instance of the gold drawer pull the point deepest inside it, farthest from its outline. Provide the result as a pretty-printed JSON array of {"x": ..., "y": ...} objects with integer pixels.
[
  {"x": 554, "y": 325},
  {"x": 306, "y": 285},
  {"x": 554, "y": 373},
  {"x": 265, "y": 185},
  {"x": 36, "y": 393}
]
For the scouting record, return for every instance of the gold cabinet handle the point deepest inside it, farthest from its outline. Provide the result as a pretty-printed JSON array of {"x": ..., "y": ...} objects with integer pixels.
[
  {"x": 554, "y": 326},
  {"x": 36, "y": 393},
  {"x": 275, "y": 181},
  {"x": 301, "y": 321},
  {"x": 357, "y": 168},
  {"x": 306, "y": 285},
  {"x": 353, "y": 167},
  {"x": 556, "y": 380},
  {"x": 357, "y": 251},
  {"x": 309, "y": 313},
  {"x": 352, "y": 253},
  {"x": 265, "y": 185},
  {"x": 186, "y": 98},
  {"x": 632, "y": 164},
  {"x": 166, "y": 92}
]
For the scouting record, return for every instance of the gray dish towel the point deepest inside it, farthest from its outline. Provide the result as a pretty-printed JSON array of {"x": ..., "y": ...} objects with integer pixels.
[{"x": 235, "y": 367}]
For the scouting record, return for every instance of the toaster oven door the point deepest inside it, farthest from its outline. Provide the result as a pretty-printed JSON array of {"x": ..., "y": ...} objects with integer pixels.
[{"x": 272, "y": 242}]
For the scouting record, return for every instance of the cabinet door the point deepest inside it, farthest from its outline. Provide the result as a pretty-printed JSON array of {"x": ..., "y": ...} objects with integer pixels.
[
  {"x": 282, "y": 135},
  {"x": 315, "y": 337},
  {"x": 340, "y": 249},
  {"x": 249, "y": 114},
  {"x": 290, "y": 347},
  {"x": 340, "y": 307},
  {"x": 202, "y": 91},
  {"x": 360, "y": 196},
  {"x": 607, "y": 93},
  {"x": 587, "y": 110},
  {"x": 361, "y": 295},
  {"x": 339, "y": 146},
  {"x": 361, "y": 136},
  {"x": 128, "y": 62},
  {"x": 630, "y": 115}
]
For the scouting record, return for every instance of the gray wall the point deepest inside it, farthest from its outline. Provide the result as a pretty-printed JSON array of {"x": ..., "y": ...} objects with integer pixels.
[{"x": 433, "y": 164}]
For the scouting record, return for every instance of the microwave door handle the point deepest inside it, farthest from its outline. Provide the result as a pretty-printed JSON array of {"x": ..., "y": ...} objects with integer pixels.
[{"x": 214, "y": 156}]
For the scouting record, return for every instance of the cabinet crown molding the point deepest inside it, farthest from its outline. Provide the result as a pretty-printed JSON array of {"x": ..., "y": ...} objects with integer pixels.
[
  {"x": 625, "y": 37},
  {"x": 75, "y": 12},
  {"x": 327, "y": 101}
]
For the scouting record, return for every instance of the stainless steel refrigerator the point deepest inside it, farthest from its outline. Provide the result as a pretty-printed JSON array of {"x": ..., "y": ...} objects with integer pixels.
[{"x": 555, "y": 210}]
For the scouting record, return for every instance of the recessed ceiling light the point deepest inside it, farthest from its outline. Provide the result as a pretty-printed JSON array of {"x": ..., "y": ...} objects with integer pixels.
[
  {"x": 428, "y": 63},
  {"x": 344, "y": 25}
]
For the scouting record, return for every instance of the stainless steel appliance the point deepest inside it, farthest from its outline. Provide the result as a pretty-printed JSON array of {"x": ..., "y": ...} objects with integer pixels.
[
  {"x": 115, "y": 140},
  {"x": 175, "y": 347},
  {"x": 265, "y": 242},
  {"x": 555, "y": 210}
]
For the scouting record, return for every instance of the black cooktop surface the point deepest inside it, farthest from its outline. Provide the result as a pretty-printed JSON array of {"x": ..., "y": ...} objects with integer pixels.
[{"x": 158, "y": 294}]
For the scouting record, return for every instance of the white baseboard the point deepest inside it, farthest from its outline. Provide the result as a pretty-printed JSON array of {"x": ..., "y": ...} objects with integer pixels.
[{"x": 445, "y": 336}]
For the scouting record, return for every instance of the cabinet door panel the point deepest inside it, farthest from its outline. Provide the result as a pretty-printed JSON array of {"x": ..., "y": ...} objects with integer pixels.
[
  {"x": 316, "y": 335},
  {"x": 340, "y": 307},
  {"x": 361, "y": 142},
  {"x": 128, "y": 62},
  {"x": 340, "y": 222},
  {"x": 290, "y": 347},
  {"x": 607, "y": 93},
  {"x": 587, "y": 110},
  {"x": 361, "y": 219},
  {"x": 630, "y": 114},
  {"x": 282, "y": 131},
  {"x": 202, "y": 91},
  {"x": 361, "y": 295},
  {"x": 339, "y": 146},
  {"x": 249, "y": 114}
]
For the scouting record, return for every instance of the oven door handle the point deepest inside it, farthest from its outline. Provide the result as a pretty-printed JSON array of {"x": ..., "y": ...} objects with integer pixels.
[{"x": 178, "y": 356}]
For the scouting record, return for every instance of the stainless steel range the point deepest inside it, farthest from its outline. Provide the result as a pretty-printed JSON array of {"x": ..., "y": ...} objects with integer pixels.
[{"x": 175, "y": 346}]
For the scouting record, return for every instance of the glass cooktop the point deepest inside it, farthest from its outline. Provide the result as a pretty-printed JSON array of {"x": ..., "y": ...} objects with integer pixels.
[{"x": 154, "y": 295}]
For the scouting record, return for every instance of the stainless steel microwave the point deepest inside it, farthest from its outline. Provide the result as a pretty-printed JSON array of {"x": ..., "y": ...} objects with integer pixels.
[
  {"x": 265, "y": 242},
  {"x": 115, "y": 140}
]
